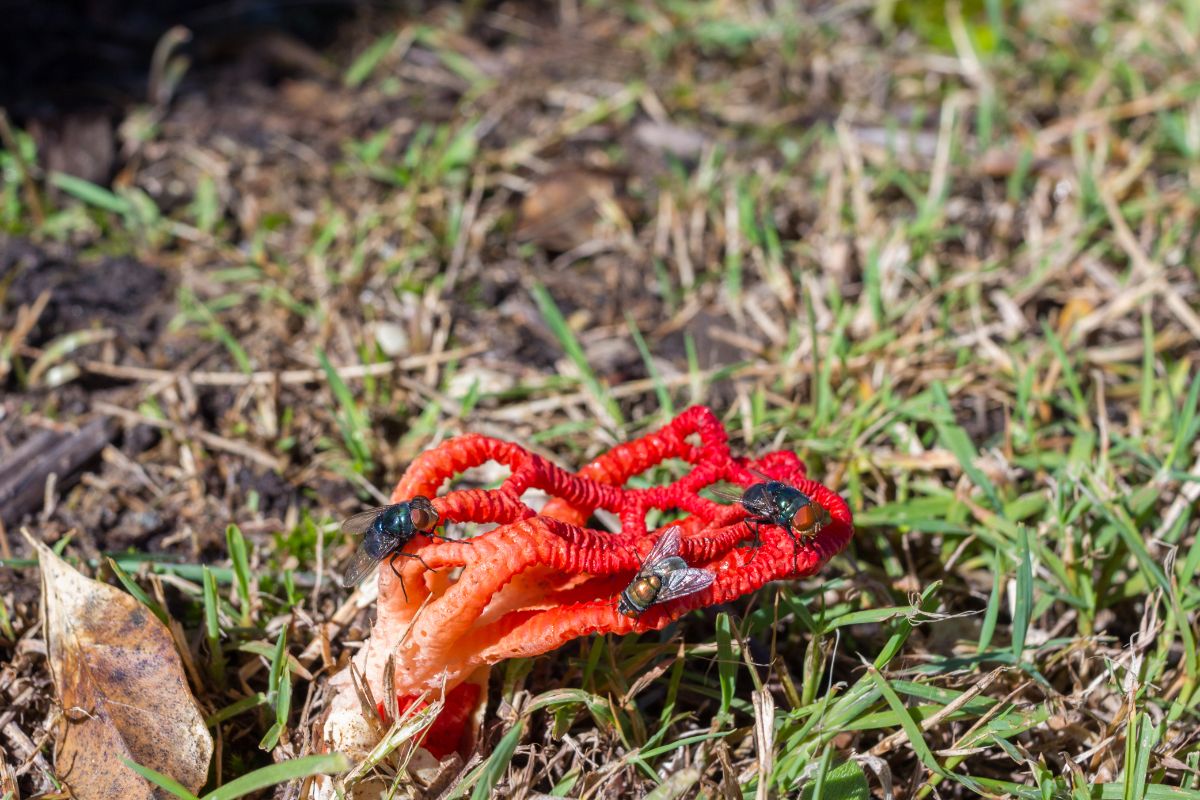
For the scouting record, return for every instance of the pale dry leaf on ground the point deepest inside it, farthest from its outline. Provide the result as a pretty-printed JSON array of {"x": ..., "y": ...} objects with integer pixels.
[
  {"x": 121, "y": 688},
  {"x": 567, "y": 209}
]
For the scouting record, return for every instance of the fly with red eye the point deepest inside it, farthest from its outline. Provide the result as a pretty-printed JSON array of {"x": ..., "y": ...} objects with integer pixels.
[
  {"x": 773, "y": 502},
  {"x": 385, "y": 531}
]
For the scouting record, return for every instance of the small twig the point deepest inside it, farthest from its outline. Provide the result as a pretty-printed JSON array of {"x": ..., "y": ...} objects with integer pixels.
[
  {"x": 957, "y": 703},
  {"x": 1094, "y": 118},
  {"x": 346, "y": 612},
  {"x": 524, "y": 411},
  {"x": 27, "y": 317},
  {"x": 268, "y": 377},
  {"x": 29, "y": 752},
  {"x": 15, "y": 705},
  {"x": 210, "y": 440},
  {"x": 25, "y": 474},
  {"x": 1149, "y": 272}
]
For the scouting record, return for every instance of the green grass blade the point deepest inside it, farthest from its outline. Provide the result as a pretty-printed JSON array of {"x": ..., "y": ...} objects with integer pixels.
[
  {"x": 497, "y": 763},
  {"x": 279, "y": 691},
  {"x": 955, "y": 439},
  {"x": 818, "y": 785},
  {"x": 278, "y": 662},
  {"x": 369, "y": 59},
  {"x": 236, "y": 544},
  {"x": 162, "y": 781},
  {"x": 6, "y": 628},
  {"x": 1070, "y": 376},
  {"x": 1128, "y": 534},
  {"x": 212, "y": 623},
  {"x": 1023, "y": 611},
  {"x": 1186, "y": 427},
  {"x": 1146, "y": 392},
  {"x": 212, "y": 626},
  {"x": 237, "y": 707},
  {"x": 726, "y": 664},
  {"x": 90, "y": 193},
  {"x": 660, "y": 388},
  {"x": 564, "y": 786},
  {"x": 570, "y": 345},
  {"x": 135, "y": 590},
  {"x": 911, "y": 729},
  {"x": 351, "y": 420},
  {"x": 1142, "y": 737},
  {"x": 992, "y": 615},
  {"x": 683, "y": 742},
  {"x": 845, "y": 781},
  {"x": 275, "y": 774}
]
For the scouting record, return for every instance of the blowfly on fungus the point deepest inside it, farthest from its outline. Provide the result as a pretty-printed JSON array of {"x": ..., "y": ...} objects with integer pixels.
[
  {"x": 664, "y": 576},
  {"x": 385, "y": 531},
  {"x": 774, "y": 502}
]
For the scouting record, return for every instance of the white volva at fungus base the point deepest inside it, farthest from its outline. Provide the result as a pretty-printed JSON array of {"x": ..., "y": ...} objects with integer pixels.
[{"x": 354, "y": 729}]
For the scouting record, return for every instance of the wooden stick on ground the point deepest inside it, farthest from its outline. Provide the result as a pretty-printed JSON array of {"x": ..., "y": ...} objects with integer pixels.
[{"x": 25, "y": 472}]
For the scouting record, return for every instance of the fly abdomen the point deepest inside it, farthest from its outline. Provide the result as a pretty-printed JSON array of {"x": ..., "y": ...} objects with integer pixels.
[
  {"x": 756, "y": 497},
  {"x": 378, "y": 544},
  {"x": 639, "y": 595}
]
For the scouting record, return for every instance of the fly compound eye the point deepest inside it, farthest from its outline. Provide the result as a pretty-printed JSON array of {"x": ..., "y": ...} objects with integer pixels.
[
  {"x": 423, "y": 519},
  {"x": 805, "y": 518}
]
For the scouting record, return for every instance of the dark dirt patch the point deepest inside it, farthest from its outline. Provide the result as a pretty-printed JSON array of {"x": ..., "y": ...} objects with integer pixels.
[
  {"x": 64, "y": 56},
  {"x": 122, "y": 294}
]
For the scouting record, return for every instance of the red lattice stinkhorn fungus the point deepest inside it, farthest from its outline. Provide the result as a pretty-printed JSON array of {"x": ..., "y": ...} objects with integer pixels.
[{"x": 540, "y": 580}]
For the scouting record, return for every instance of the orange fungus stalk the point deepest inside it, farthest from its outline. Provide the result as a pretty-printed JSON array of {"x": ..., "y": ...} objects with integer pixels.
[{"x": 540, "y": 579}]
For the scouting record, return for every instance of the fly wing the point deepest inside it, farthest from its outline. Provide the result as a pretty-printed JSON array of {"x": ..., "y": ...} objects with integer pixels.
[
  {"x": 761, "y": 507},
  {"x": 666, "y": 546},
  {"x": 360, "y": 565},
  {"x": 683, "y": 582},
  {"x": 725, "y": 494},
  {"x": 361, "y": 521},
  {"x": 762, "y": 476}
]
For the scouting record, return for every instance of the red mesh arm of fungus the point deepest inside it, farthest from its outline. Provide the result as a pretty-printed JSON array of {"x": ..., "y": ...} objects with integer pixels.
[{"x": 538, "y": 581}]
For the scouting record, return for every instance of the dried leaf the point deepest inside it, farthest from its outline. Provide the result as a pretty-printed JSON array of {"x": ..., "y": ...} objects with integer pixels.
[
  {"x": 564, "y": 210},
  {"x": 122, "y": 689}
]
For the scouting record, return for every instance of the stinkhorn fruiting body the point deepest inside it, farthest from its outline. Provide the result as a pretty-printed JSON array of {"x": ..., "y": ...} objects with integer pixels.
[{"x": 541, "y": 579}]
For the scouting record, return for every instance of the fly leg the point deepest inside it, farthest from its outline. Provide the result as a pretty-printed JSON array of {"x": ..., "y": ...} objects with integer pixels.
[
  {"x": 797, "y": 542},
  {"x": 430, "y": 533},
  {"x": 755, "y": 543},
  {"x": 438, "y": 536},
  {"x": 399, "y": 577},
  {"x": 418, "y": 558},
  {"x": 392, "y": 564}
]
